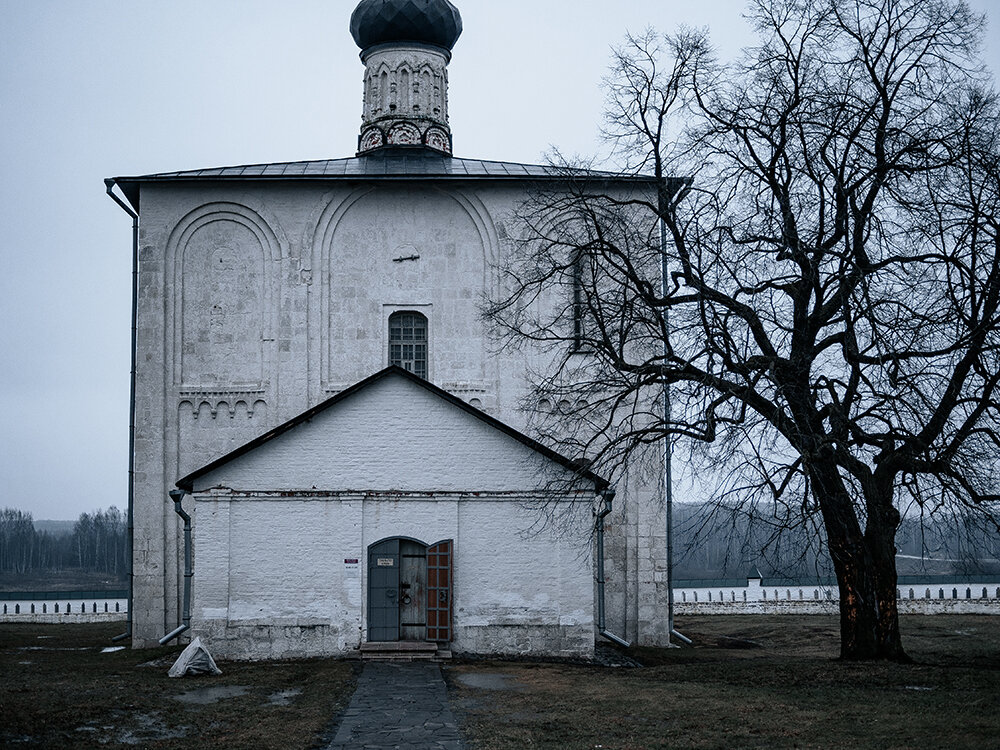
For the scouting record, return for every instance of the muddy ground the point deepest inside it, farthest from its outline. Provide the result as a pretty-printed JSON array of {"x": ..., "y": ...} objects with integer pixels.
[{"x": 748, "y": 682}]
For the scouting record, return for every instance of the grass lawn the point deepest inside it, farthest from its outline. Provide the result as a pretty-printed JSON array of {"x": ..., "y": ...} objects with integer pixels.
[{"x": 749, "y": 682}]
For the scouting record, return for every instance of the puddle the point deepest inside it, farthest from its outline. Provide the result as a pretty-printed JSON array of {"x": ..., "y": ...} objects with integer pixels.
[
  {"x": 206, "y": 695},
  {"x": 112, "y": 649},
  {"x": 163, "y": 661},
  {"x": 488, "y": 680},
  {"x": 283, "y": 697},
  {"x": 151, "y": 728},
  {"x": 916, "y": 687}
]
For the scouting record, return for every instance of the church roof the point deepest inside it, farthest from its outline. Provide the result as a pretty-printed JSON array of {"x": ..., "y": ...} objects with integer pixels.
[
  {"x": 187, "y": 483},
  {"x": 389, "y": 164}
]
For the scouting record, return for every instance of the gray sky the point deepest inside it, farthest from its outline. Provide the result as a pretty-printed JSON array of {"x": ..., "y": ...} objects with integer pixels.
[{"x": 97, "y": 89}]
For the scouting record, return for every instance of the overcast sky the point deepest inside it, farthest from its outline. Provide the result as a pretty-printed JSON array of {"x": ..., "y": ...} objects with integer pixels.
[{"x": 99, "y": 89}]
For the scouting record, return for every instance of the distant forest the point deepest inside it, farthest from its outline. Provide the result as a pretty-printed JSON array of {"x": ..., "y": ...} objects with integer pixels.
[
  {"x": 709, "y": 542},
  {"x": 97, "y": 543},
  {"x": 714, "y": 542}
]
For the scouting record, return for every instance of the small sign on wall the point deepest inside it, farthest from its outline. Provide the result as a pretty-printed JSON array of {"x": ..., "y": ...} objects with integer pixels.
[
  {"x": 385, "y": 562},
  {"x": 351, "y": 567}
]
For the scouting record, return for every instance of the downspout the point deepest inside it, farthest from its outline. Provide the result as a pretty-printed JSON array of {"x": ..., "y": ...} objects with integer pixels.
[
  {"x": 177, "y": 495},
  {"x": 110, "y": 185},
  {"x": 668, "y": 481},
  {"x": 607, "y": 497}
]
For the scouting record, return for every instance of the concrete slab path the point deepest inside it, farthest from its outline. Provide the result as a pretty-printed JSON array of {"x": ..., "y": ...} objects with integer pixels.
[{"x": 402, "y": 706}]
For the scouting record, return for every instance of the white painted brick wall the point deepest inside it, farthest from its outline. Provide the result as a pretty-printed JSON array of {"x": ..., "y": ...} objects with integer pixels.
[
  {"x": 271, "y": 578},
  {"x": 392, "y": 435}
]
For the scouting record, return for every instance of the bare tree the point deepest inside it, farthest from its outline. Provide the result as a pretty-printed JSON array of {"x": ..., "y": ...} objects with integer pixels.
[{"x": 824, "y": 301}]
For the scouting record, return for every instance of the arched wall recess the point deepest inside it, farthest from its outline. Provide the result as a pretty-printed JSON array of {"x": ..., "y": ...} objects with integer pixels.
[
  {"x": 221, "y": 316},
  {"x": 327, "y": 245}
]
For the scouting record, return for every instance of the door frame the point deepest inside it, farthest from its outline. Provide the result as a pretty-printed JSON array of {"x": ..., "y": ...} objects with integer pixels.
[{"x": 383, "y": 586}]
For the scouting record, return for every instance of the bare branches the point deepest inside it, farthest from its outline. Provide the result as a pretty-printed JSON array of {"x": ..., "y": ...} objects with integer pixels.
[{"x": 826, "y": 309}]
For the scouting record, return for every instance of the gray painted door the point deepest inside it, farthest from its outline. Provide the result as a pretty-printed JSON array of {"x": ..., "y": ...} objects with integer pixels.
[{"x": 383, "y": 591}]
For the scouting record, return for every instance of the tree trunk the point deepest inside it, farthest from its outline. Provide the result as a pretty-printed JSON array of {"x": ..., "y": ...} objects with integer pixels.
[{"x": 865, "y": 565}]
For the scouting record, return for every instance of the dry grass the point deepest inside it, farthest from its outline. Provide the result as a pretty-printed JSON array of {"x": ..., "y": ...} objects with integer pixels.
[
  {"x": 58, "y": 690},
  {"x": 751, "y": 682}
]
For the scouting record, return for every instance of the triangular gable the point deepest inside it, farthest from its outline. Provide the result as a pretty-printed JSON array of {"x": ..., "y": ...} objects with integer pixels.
[{"x": 420, "y": 422}]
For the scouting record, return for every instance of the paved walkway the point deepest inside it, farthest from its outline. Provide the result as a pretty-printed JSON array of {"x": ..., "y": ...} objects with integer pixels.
[{"x": 401, "y": 706}]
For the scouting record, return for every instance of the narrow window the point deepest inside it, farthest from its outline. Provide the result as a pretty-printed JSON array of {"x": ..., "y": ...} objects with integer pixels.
[{"x": 408, "y": 342}]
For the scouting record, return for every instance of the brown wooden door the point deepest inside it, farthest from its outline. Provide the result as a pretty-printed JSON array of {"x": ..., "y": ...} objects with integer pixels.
[{"x": 439, "y": 591}]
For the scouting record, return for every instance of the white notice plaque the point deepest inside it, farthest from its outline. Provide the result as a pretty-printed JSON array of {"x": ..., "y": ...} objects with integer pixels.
[{"x": 385, "y": 562}]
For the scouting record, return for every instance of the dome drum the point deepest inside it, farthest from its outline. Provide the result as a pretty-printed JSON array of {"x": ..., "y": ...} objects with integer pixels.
[
  {"x": 404, "y": 133},
  {"x": 405, "y": 47}
]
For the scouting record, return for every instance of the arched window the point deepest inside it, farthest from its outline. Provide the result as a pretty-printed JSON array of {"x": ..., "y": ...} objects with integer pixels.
[{"x": 408, "y": 342}]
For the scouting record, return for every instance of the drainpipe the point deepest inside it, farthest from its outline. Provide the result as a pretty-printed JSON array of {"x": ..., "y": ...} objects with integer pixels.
[
  {"x": 177, "y": 495},
  {"x": 668, "y": 493},
  {"x": 110, "y": 185},
  {"x": 607, "y": 497}
]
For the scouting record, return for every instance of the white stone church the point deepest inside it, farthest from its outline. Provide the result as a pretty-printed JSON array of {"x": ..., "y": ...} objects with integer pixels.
[{"x": 316, "y": 385}]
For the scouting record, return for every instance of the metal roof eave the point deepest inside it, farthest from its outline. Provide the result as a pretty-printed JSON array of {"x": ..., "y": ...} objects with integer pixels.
[{"x": 398, "y": 164}]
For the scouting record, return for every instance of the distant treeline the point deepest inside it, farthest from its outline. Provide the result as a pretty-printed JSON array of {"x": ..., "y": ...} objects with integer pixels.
[
  {"x": 713, "y": 542},
  {"x": 98, "y": 543}
]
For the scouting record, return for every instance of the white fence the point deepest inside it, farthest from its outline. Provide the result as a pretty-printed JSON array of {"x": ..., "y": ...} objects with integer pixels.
[
  {"x": 764, "y": 596},
  {"x": 63, "y": 606}
]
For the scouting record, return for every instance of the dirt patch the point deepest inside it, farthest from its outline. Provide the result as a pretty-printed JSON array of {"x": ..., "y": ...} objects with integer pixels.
[
  {"x": 72, "y": 695},
  {"x": 488, "y": 680}
]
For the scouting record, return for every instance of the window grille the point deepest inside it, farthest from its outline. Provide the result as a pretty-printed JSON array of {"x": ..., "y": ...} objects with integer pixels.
[{"x": 408, "y": 342}]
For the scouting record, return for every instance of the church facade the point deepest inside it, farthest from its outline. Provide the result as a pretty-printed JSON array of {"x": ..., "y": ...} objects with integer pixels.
[{"x": 314, "y": 375}]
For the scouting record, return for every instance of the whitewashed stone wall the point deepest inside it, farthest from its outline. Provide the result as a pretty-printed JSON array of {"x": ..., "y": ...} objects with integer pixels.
[
  {"x": 235, "y": 341},
  {"x": 67, "y": 609},
  {"x": 757, "y": 597}
]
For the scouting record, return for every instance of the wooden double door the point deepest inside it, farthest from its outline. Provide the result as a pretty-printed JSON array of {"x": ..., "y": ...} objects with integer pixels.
[{"x": 410, "y": 590}]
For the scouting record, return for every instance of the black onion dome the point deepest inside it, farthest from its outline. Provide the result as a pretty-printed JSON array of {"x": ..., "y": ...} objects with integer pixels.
[{"x": 436, "y": 22}]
